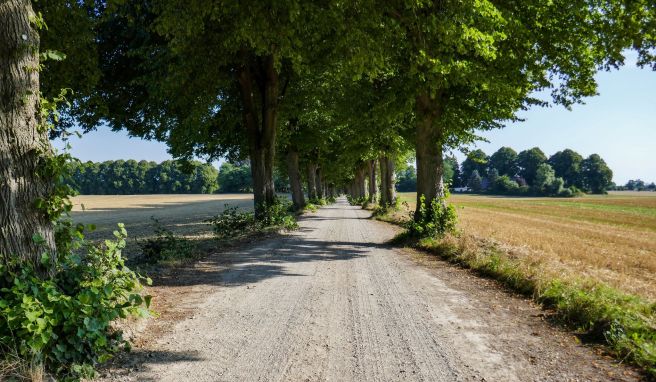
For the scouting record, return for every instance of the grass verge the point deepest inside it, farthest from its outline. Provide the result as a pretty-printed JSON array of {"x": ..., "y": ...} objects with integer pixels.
[{"x": 625, "y": 324}]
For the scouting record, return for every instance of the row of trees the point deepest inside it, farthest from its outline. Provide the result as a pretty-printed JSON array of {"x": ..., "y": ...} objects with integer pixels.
[
  {"x": 333, "y": 94},
  {"x": 125, "y": 177},
  {"x": 530, "y": 171},
  {"x": 636, "y": 185}
]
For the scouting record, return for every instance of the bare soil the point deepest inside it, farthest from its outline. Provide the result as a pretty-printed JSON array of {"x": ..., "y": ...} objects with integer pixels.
[{"x": 333, "y": 302}]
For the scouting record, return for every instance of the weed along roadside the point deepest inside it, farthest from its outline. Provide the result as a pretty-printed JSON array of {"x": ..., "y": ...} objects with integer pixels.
[{"x": 598, "y": 313}]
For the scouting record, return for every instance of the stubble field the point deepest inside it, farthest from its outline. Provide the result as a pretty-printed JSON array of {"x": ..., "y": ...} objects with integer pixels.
[
  {"x": 185, "y": 215},
  {"x": 610, "y": 238}
]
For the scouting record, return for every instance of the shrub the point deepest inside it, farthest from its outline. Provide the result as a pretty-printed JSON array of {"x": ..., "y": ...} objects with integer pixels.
[
  {"x": 435, "y": 220},
  {"x": 232, "y": 222},
  {"x": 359, "y": 201},
  {"x": 165, "y": 245},
  {"x": 279, "y": 213},
  {"x": 505, "y": 185},
  {"x": 63, "y": 321}
]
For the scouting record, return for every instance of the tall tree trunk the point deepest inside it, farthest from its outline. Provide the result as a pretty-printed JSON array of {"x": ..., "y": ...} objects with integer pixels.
[
  {"x": 371, "y": 172},
  {"x": 383, "y": 195},
  {"x": 311, "y": 181},
  {"x": 295, "y": 180},
  {"x": 430, "y": 161},
  {"x": 261, "y": 129},
  {"x": 387, "y": 180},
  {"x": 360, "y": 178},
  {"x": 23, "y": 144},
  {"x": 318, "y": 178}
]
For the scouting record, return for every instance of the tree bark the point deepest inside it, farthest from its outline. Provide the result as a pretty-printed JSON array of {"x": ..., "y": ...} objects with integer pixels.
[
  {"x": 318, "y": 178},
  {"x": 260, "y": 129},
  {"x": 387, "y": 181},
  {"x": 24, "y": 144},
  {"x": 295, "y": 180},
  {"x": 372, "y": 180},
  {"x": 311, "y": 181},
  {"x": 430, "y": 161}
]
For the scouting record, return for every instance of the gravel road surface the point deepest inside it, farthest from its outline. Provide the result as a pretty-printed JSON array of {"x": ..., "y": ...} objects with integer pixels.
[{"x": 333, "y": 302}]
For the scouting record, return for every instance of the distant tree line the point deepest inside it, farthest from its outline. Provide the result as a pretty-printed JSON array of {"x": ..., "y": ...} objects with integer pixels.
[
  {"x": 636, "y": 185},
  {"x": 129, "y": 177},
  {"x": 126, "y": 177},
  {"x": 530, "y": 172}
]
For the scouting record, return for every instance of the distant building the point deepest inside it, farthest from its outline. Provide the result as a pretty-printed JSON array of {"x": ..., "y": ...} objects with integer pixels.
[{"x": 461, "y": 189}]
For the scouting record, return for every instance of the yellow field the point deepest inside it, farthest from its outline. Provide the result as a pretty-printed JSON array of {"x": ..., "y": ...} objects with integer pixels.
[
  {"x": 183, "y": 214},
  {"x": 611, "y": 238}
]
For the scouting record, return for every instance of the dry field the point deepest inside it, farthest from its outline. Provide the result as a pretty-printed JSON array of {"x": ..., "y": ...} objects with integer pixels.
[
  {"x": 611, "y": 238},
  {"x": 183, "y": 214}
]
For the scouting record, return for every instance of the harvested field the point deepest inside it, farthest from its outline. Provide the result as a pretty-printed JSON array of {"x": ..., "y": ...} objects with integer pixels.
[
  {"x": 611, "y": 238},
  {"x": 183, "y": 214}
]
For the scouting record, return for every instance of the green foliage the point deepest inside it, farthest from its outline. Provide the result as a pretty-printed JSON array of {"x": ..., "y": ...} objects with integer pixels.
[
  {"x": 406, "y": 179},
  {"x": 165, "y": 245},
  {"x": 131, "y": 177},
  {"x": 235, "y": 178},
  {"x": 64, "y": 320},
  {"x": 357, "y": 201},
  {"x": 233, "y": 222},
  {"x": 475, "y": 182},
  {"x": 435, "y": 220},
  {"x": 280, "y": 213},
  {"x": 596, "y": 175},
  {"x": 504, "y": 160},
  {"x": 477, "y": 161},
  {"x": 567, "y": 165},
  {"x": 528, "y": 162}
]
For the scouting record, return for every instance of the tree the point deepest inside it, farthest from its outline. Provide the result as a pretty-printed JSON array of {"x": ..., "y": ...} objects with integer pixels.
[
  {"x": 26, "y": 178},
  {"x": 406, "y": 179},
  {"x": 476, "y": 160},
  {"x": 234, "y": 178},
  {"x": 451, "y": 171},
  {"x": 475, "y": 182},
  {"x": 469, "y": 66},
  {"x": 546, "y": 182},
  {"x": 567, "y": 165},
  {"x": 528, "y": 162},
  {"x": 504, "y": 161},
  {"x": 597, "y": 177}
]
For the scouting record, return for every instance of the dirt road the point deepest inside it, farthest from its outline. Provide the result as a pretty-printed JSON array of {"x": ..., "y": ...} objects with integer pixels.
[{"x": 332, "y": 302}]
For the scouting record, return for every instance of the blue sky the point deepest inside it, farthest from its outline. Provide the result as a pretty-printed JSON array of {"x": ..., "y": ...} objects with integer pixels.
[{"x": 619, "y": 125}]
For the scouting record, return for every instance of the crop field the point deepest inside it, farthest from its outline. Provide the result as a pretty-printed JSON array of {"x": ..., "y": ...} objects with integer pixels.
[
  {"x": 182, "y": 214},
  {"x": 611, "y": 238}
]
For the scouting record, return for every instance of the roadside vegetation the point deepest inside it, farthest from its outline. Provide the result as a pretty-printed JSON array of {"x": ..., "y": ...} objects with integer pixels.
[{"x": 590, "y": 259}]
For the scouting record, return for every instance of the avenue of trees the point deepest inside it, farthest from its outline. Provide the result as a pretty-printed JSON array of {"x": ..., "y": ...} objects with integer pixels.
[
  {"x": 330, "y": 94},
  {"x": 333, "y": 95}
]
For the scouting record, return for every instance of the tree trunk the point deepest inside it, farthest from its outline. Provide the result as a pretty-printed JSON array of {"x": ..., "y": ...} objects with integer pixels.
[
  {"x": 360, "y": 177},
  {"x": 429, "y": 140},
  {"x": 387, "y": 180},
  {"x": 311, "y": 181},
  {"x": 319, "y": 185},
  {"x": 372, "y": 180},
  {"x": 260, "y": 129},
  {"x": 23, "y": 144},
  {"x": 295, "y": 180}
]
